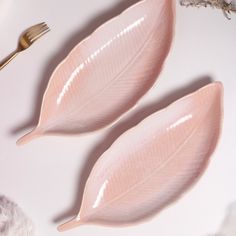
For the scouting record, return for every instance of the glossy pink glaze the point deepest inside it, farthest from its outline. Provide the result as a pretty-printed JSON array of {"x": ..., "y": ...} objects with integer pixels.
[
  {"x": 107, "y": 73},
  {"x": 154, "y": 163}
]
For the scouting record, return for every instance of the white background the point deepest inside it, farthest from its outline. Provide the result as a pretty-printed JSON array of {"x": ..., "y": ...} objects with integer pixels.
[{"x": 46, "y": 177}]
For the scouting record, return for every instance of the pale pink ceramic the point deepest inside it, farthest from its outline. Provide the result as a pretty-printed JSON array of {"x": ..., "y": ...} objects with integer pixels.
[
  {"x": 154, "y": 163},
  {"x": 106, "y": 74}
]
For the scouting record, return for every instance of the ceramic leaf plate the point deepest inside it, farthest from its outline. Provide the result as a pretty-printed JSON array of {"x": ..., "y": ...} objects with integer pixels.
[
  {"x": 153, "y": 164},
  {"x": 107, "y": 73}
]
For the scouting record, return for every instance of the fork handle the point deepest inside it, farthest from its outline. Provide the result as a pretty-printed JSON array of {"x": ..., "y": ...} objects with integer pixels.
[{"x": 8, "y": 59}]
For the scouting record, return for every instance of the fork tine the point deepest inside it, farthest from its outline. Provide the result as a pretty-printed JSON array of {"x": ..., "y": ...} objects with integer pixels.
[
  {"x": 40, "y": 34},
  {"x": 42, "y": 30},
  {"x": 37, "y": 33},
  {"x": 35, "y": 26}
]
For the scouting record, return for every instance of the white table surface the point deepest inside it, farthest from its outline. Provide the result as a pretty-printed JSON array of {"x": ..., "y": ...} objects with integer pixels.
[{"x": 46, "y": 177}]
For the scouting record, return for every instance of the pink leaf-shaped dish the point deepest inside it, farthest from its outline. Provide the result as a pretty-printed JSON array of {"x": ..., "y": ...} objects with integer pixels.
[
  {"x": 107, "y": 73},
  {"x": 152, "y": 164}
]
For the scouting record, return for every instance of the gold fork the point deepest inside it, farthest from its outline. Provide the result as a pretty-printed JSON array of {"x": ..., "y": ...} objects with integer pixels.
[{"x": 26, "y": 40}]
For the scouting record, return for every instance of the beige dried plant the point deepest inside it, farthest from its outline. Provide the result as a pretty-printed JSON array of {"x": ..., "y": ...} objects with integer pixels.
[{"x": 227, "y": 6}]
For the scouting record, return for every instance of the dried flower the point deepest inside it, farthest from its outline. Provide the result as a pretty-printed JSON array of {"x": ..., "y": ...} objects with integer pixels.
[
  {"x": 13, "y": 221},
  {"x": 227, "y": 6}
]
